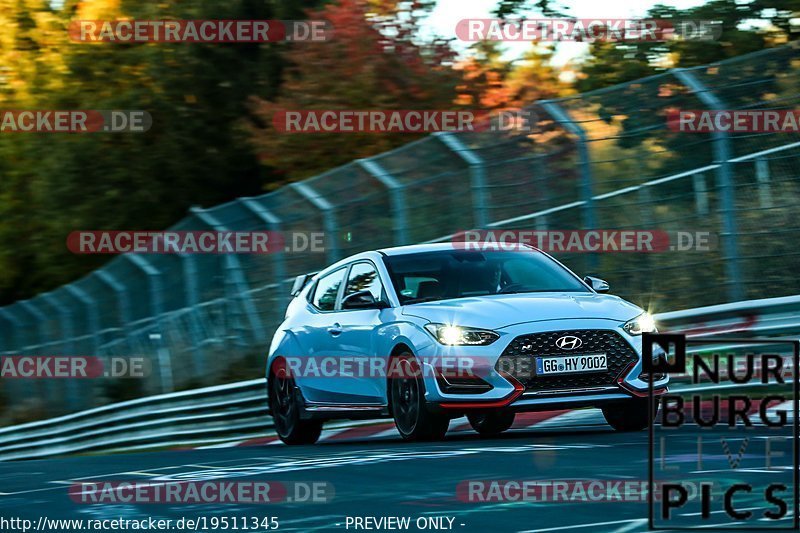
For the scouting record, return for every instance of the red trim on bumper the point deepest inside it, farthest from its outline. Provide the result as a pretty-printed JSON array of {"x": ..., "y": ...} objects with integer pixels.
[
  {"x": 519, "y": 388},
  {"x": 627, "y": 388}
]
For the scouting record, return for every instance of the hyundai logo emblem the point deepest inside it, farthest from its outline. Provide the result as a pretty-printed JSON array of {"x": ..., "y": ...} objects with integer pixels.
[{"x": 568, "y": 342}]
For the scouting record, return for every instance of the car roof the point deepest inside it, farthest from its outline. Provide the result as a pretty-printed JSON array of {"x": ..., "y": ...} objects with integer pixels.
[
  {"x": 403, "y": 250},
  {"x": 439, "y": 246}
]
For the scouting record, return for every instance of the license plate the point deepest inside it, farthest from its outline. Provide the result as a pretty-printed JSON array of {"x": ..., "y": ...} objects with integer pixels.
[{"x": 571, "y": 364}]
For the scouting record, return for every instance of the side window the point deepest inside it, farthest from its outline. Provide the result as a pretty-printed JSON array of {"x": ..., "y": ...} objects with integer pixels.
[
  {"x": 327, "y": 288},
  {"x": 364, "y": 277}
]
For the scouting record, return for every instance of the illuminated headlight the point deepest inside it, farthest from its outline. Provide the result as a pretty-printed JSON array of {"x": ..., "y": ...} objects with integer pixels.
[
  {"x": 459, "y": 336},
  {"x": 643, "y": 323}
]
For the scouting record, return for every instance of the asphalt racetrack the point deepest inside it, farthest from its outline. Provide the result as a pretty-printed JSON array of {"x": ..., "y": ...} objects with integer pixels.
[{"x": 386, "y": 477}]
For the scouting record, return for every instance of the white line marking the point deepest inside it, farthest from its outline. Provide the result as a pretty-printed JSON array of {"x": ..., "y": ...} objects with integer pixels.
[
  {"x": 580, "y": 526},
  {"x": 630, "y": 527}
]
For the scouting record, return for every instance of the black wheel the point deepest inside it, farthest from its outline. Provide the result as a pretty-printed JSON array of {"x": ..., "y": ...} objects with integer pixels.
[
  {"x": 286, "y": 411},
  {"x": 412, "y": 418},
  {"x": 492, "y": 423},
  {"x": 630, "y": 415}
]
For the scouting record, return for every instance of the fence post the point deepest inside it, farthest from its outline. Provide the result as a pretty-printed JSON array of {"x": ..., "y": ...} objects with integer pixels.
[
  {"x": 273, "y": 224},
  {"x": 762, "y": 176},
  {"x": 49, "y": 386},
  {"x": 15, "y": 323},
  {"x": 722, "y": 154},
  {"x": 67, "y": 324},
  {"x": 122, "y": 301},
  {"x": 13, "y": 331},
  {"x": 68, "y": 342},
  {"x": 91, "y": 313},
  {"x": 540, "y": 171},
  {"x": 587, "y": 195},
  {"x": 477, "y": 172},
  {"x": 328, "y": 217},
  {"x": 156, "y": 310},
  {"x": 192, "y": 300},
  {"x": 700, "y": 194},
  {"x": 397, "y": 196},
  {"x": 12, "y": 387},
  {"x": 235, "y": 280}
]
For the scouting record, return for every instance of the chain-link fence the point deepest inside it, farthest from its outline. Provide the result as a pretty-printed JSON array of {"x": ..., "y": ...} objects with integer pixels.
[{"x": 604, "y": 160}]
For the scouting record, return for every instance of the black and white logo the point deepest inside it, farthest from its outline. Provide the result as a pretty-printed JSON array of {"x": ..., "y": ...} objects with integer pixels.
[{"x": 568, "y": 342}]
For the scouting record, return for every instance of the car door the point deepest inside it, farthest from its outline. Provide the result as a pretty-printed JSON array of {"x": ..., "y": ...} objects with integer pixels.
[
  {"x": 357, "y": 340},
  {"x": 317, "y": 338}
]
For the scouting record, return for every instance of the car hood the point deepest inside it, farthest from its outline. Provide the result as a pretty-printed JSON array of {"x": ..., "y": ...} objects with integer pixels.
[{"x": 501, "y": 310}]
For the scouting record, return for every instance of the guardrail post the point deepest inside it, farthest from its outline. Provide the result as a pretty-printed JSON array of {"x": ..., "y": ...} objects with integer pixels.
[
  {"x": 762, "y": 176},
  {"x": 397, "y": 197},
  {"x": 328, "y": 217},
  {"x": 477, "y": 172},
  {"x": 587, "y": 195},
  {"x": 156, "y": 310},
  {"x": 235, "y": 280},
  {"x": 722, "y": 153}
]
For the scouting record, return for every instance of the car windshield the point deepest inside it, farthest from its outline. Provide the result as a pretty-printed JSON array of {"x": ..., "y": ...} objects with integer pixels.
[{"x": 447, "y": 274}]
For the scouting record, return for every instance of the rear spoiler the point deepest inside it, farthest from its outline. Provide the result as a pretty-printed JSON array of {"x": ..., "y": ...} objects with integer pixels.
[{"x": 300, "y": 282}]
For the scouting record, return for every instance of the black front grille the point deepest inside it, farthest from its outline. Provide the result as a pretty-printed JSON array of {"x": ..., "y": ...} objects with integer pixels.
[{"x": 517, "y": 359}]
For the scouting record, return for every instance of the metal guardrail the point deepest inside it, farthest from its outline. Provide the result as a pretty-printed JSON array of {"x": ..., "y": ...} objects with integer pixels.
[
  {"x": 194, "y": 416},
  {"x": 239, "y": 410}
]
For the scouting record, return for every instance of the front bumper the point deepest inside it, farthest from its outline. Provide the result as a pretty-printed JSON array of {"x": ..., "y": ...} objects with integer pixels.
[{"x": 521, "y": 391}]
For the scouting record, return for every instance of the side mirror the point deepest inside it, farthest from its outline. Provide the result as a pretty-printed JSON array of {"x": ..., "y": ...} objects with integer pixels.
[
  {"x": 362, "y": 300},
  {"x": 597, "y": 284}
]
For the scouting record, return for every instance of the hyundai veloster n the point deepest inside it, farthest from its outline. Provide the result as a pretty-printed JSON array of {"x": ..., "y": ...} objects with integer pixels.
[{"x": 427, "y": 333}]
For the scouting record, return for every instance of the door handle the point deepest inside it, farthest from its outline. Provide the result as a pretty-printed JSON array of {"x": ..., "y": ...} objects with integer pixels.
[{"x": 335, "y": 330}]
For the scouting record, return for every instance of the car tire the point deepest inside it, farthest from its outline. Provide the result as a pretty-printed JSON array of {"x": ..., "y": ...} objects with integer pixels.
[
  {"x": 413, "y": 419},
  {"x": 630, "y": 415},
  {"x": 285, "y": 408},
  {"x": 492, "y": 423}
]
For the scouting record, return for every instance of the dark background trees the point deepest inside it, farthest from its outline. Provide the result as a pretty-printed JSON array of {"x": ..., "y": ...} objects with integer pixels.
[{"x": 211, "y": 139}]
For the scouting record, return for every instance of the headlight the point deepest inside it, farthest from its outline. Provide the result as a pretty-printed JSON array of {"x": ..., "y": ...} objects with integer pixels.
[
  {"x": 643, "y": 323},
  {"x": 459, "y": 336}
]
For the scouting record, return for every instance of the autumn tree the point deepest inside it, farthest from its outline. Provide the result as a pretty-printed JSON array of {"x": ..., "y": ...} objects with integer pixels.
[{"x": 374, "y": 62}]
